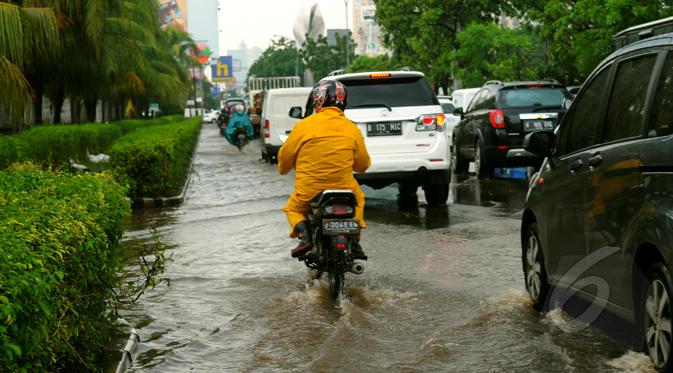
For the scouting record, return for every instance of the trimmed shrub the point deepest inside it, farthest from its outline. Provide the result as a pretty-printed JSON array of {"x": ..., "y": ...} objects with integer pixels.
[
  {"x": 59, "y": 258},
  {"x": 155, "y": 161},
  {"x": 55, "y": 145}
]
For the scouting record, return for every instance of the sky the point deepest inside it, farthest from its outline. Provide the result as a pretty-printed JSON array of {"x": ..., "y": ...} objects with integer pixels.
[{"x": 257, "y": 21}]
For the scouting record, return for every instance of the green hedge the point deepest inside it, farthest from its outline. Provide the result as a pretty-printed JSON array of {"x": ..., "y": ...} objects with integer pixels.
[
  {"x": 55, "y": 145},
  {"x": 155, "y": 161},
  {"x": 59, "y": 259}
]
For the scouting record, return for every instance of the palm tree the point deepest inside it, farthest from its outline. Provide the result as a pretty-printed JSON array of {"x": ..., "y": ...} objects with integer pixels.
[{"x": 28, "y": 36}]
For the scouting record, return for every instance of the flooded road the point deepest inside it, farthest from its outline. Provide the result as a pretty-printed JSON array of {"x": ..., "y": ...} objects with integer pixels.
[{"x": 443, "y": 289}]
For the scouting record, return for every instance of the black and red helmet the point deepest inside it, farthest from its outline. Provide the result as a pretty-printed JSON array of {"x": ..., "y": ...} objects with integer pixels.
[{"x": 329, "y": 93}]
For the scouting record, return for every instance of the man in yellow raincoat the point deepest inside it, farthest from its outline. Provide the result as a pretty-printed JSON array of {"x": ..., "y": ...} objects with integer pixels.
[{"x": 324, "y": 149}]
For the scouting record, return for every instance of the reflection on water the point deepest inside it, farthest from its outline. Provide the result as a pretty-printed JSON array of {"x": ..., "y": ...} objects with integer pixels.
[{"x": 443, "y": 289}]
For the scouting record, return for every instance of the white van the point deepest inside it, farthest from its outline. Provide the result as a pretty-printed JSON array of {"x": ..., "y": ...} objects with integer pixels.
[
  {"x": 275, "y": 118},
  {"x": 461, "y": 97}
]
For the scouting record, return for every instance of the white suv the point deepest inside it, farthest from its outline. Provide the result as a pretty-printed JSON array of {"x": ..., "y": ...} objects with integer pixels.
[{"x": 403, "y": 126}]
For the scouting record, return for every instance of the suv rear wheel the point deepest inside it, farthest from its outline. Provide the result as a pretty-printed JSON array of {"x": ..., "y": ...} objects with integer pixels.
[
  {"x": 482, "y": 166},
  {"x": 436, "y": 194},
  {"x": 658, "y": 316}
]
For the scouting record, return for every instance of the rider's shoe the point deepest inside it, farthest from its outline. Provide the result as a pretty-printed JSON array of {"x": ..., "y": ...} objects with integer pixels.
[
  {"x": 357, "y": 253},
  {"x": 306, "y": 244}
]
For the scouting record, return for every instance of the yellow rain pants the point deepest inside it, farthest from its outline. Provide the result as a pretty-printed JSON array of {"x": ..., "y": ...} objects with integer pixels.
[{"x": 324, "y": 149}]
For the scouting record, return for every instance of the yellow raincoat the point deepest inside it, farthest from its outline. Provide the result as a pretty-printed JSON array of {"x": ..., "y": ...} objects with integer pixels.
[{"x": 325, "y": 149}]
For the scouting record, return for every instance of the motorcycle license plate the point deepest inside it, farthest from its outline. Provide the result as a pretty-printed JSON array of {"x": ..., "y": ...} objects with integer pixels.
[{"x": 332, "y": 227}]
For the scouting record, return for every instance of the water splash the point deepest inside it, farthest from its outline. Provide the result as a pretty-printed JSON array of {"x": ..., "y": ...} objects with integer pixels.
[{"x": 632, "y": 362}]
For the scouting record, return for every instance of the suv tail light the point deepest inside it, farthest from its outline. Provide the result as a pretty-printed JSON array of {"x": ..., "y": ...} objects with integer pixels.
[
  {"x": 431, "y": 122},
  {"x": 267, "y": 135},
  {"x": 497, "y": 118}
]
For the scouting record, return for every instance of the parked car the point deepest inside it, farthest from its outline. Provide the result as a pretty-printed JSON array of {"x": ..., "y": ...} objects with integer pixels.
[
  {"x": 492, "y": 128},
  {"x": 211, "y": 116},
  {"x": 403, "y": 126},
  {"x": 275, "y": 119},
  {"x": 461, "y": 97},
  {"x": 598, "y": 218}
]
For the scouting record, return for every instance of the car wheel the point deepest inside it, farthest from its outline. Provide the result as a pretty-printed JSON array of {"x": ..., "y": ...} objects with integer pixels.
[
  {"x": 407, "y": 197},
  {"x": 658, "y": 316},
  {"x": 459, "y": 164},
  {"x": 436, "y": 194},
  {"x": 534, "y": 270},
  {"x": 481, "y": 165}
]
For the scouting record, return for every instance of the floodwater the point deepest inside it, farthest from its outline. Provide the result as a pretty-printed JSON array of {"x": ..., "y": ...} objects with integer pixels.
[{"x": 443, "y": 289}]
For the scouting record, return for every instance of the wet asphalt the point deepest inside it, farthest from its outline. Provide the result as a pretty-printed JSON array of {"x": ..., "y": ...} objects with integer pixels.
[{"x": 443, "y": 289}]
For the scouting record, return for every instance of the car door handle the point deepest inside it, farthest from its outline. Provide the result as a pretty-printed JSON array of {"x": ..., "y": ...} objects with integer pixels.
[
  {"x": 595, "y": 160},
  {"x": 575, "y": 165}
]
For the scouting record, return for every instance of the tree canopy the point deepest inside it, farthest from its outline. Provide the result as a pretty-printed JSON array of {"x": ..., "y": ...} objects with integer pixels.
[{"x": 90, "y": 50}]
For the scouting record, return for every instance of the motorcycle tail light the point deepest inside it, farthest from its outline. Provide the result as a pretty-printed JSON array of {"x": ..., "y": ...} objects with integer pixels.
[{"x": 338, "y": 210}]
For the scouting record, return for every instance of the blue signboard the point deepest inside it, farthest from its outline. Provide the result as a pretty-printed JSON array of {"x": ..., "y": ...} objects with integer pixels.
[
  {"x": 216, "y": 91},
  {"x": 223, "y": 69}
]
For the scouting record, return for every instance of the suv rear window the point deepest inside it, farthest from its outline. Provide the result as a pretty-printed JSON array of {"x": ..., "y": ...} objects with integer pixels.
[
  {"x": 525, "y": 96},
  {"x": 393, "y": 92}
]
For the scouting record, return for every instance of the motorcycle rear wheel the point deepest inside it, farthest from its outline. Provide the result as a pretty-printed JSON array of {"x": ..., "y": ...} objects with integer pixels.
[{"x": 335, "y": 276}]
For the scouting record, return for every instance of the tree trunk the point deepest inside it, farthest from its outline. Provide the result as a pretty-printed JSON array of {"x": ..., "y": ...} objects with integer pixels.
[
  {"x": 57, "y": 101},
  {"x": 91, "y": 105},
  {"x": 38, "y": 100}
]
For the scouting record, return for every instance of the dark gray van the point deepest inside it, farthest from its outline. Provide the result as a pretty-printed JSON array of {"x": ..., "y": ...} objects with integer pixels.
[{"x": 598, "y": 219}]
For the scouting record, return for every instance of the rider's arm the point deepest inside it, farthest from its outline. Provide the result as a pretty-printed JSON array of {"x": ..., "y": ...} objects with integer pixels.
[
  {"x": 287, "y": 154},
  {"x": 362, "y": 160}
]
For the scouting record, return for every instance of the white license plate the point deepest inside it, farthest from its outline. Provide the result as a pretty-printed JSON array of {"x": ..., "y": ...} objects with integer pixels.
[
  {"x": 384, "y": 129},
  {"x": 538, "y": 125},
  {"x": 340, "y": 226}
]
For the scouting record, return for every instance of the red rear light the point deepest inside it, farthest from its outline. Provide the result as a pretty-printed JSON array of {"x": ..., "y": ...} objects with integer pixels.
[
  {"x": 536, "y": 85},
  {"x": 497, "y": 118},
  {"x": 380, "y": 75},
  {"x": 341, "y": 246},
  {"x": 267, "y": 135},
  {"x": 430, "y": 122},
  {"x": 342, "y": 210},
  {"x": 266, "y": 124},
  {"x": 503, "y": 147}
]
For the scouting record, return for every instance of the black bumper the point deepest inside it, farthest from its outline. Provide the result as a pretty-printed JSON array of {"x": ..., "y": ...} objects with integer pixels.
[{"x": 418, "y": 178}]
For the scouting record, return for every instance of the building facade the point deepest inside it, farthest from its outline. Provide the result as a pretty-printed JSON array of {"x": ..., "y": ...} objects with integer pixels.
[
  {"x": 366, "y": 32},
  {"x": 243, "y": 58}
]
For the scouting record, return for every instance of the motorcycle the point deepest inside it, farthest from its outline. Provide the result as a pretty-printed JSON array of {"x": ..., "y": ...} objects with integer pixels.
[
  {"x": 241, "y": 138},
  {"x": 335, "y": 232}
]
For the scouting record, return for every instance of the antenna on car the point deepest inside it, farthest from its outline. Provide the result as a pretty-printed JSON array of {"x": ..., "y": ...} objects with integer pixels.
[{"x": 405, "y": 68}]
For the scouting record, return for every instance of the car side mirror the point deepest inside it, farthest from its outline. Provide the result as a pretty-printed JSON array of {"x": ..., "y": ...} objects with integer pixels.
[
  {"x": 542, "y": 143},
  {"x": 567, "y": 102},
  {"x": 458, "y": 112},
  {"x": 295, "y": 112}
]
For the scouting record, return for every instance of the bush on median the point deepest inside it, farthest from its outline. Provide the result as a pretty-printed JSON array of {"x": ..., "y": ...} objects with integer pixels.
[
  {"x": 155, "y": 161},
  {"x": 55, "y": 145},
  {"x": 59, "y": 258}
]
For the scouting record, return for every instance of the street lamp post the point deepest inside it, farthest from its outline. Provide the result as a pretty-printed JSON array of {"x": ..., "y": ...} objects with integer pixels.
[{"x": 348, "y": 36}]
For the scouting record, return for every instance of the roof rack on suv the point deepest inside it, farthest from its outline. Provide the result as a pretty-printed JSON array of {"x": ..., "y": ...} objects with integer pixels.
[
  {"x": 336, "y": 72},
  {"x": 493, "y": 82},
  {"x": 550, "y": 80}
]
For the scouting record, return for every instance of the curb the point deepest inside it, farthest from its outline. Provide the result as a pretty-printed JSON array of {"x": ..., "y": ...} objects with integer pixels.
[{"x": 151, "y": 202}]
